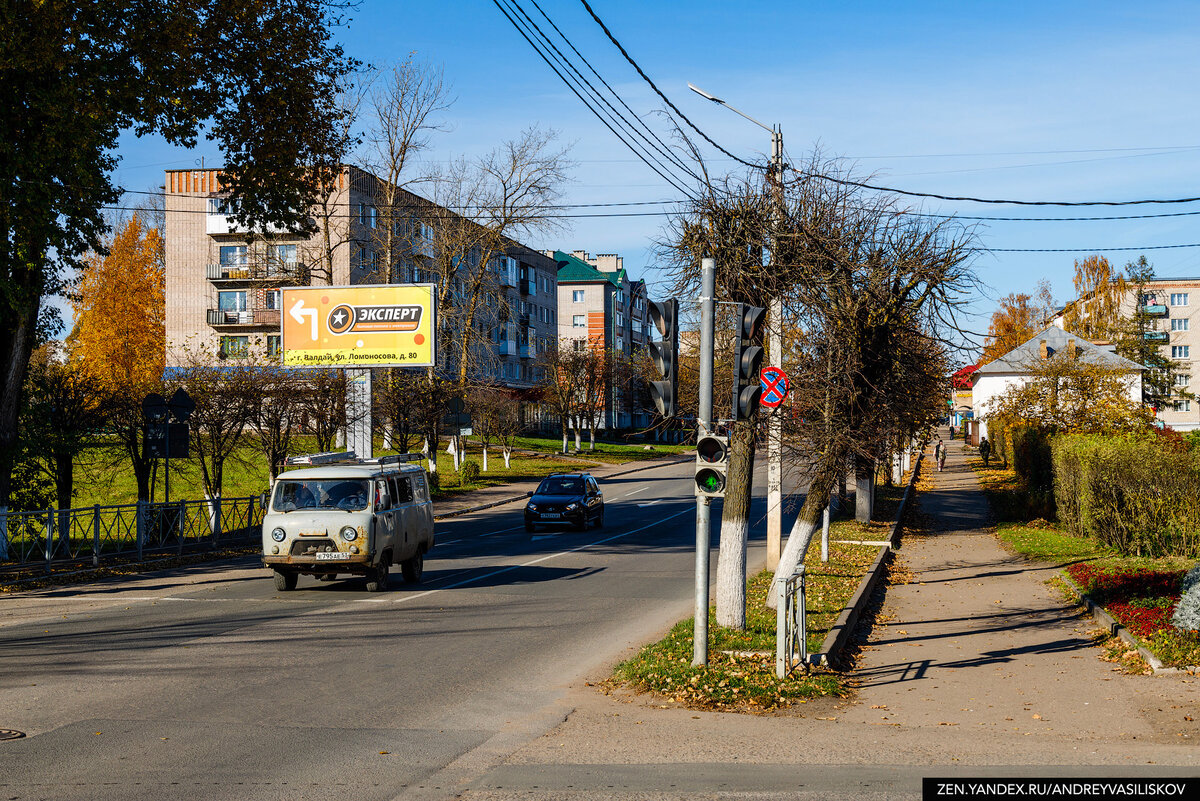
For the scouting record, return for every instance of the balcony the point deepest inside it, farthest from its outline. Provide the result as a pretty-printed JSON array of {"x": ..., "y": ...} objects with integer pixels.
[
  {"x": 257, "y": 318},
  {"x": 528, "y": 351},
  {"x": 507, "y": 347},
  {"x": 1155, "y": 336},
  {"x": 277, "y": 272},
  {"x": 1155, "y": 310},
  {"x": 529, "y": 287}
]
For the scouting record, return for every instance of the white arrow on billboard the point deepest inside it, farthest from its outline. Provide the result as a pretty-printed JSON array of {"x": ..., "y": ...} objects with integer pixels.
[{"x": 298, "y": 313}]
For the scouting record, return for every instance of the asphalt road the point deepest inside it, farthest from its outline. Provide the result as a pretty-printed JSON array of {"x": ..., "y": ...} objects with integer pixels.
[{"x": 207, "y": 683}]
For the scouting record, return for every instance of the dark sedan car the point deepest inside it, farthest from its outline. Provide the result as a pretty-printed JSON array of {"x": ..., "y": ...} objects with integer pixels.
[{"x": 572, "y": 498}]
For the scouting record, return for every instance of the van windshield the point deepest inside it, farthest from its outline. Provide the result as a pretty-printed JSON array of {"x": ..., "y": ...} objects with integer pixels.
[{"x": 347, "y": 494}]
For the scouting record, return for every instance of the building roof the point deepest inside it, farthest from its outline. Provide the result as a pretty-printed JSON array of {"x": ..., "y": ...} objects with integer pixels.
[
  {"x": 576, "y": 270},
  {"x": 1020, "y": 359},
  {"x": 964, "y": 377}
]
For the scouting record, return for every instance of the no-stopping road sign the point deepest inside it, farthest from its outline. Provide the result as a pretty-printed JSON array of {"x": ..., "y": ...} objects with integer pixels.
[{"x": 774, "y": 386}]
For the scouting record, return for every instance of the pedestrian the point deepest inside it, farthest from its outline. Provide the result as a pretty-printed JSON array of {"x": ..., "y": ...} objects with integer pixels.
[
  {"x": 985, "y": 450},
  {"x": 941, "y": 459},
  {"x": 951, "y": 432},
  {"x": 939, "y": 453}
]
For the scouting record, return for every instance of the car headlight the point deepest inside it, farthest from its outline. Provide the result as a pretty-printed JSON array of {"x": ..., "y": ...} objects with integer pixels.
[
  {"x": 279, "y": 535},
  {"x": 349, "y": 534},
  {"x": 571, "y": 507},
  {"x": 532, "y": 507}
]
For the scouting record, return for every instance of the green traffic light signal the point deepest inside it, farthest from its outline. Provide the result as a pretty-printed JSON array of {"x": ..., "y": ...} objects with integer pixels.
[{"x": 709, "y": 480}]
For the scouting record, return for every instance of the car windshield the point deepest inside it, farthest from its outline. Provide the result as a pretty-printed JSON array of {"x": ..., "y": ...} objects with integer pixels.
[
  {"x": 321, "y": 493},
  {"x": 561, "y": 486}
]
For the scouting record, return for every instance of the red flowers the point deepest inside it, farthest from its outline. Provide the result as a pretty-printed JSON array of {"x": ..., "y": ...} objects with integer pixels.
[{"x": 1141, "y": 599}]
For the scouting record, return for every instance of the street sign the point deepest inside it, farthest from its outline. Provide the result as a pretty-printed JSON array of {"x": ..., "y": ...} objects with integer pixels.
[
  {"x": 156, "y": 440},
  {"x": 370, "y": 325},
  {"x": 181, "y": 405},
  {"x": 774, "y": 387}
]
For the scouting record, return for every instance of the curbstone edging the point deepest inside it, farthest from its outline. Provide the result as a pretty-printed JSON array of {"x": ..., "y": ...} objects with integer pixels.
[
  {"x": 838, "y": 637},
  {"x": 1101, "y": 615}
]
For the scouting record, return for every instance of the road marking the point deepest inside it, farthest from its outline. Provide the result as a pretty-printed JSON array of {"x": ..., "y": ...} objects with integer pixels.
[
  {"x": 539, "y": 560},
  {"x": 648, "y": 503},
  {"x": 635, "y": 492},
  {"x": 501, "y": 531}
]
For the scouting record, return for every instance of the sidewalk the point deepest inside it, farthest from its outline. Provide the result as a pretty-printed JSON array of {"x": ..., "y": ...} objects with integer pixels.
[{"x": 973, "y": 662}]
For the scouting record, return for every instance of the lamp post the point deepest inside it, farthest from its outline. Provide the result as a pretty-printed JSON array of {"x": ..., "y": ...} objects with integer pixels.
[{"x": 775, "y": 348}]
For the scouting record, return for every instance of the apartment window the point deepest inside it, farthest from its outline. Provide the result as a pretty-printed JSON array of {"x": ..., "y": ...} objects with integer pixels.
[
  {"x": 577, "y": 296},
  {"x": 235, "y": 347},
  {"x": 1182, "y": 379},
  {"x": 580, "y": 321},
  {"x": 1179, "y": 351},
  {"x": 233, "y": 255},
  {"x": 620, "y": 296},
  {"x": 271, "y": 299},
  {"x": 273, "y": 345},
  {"x": 1179, "y": 324},
  {"x": 620, "y": 320},
  {"x": 1179, "y": 298},
  {"x": 620, "y": 344},
  {"x": 231, "y": 301},
  {"x": 1183, "y": 406},
  {"x": 579, "y": 344},
  {"x": 366, "y": 215}
]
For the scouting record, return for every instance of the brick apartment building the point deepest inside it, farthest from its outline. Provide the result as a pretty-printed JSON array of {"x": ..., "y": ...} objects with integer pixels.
[
  {"x": 601, "y": 307},
  {"x": 222, "y": 285}
]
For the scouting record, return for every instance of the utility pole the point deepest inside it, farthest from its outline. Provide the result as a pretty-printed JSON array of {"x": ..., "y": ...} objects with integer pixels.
[{"x": 708, "y": 292}]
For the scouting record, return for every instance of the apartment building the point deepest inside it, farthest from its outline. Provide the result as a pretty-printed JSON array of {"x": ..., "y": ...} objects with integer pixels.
[
  {"x": 223, "y": 282},
  {"x": 602, "y": 308},
  {"x": 1168, "y": 303}
]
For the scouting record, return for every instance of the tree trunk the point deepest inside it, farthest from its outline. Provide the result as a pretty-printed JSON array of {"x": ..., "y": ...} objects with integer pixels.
[
  {"x": 592, "y": 437},
  {"x": 17, "y": 336},
  {"x": 508, "y": 458},
  {"x": 735, "y": 523},
  {"x": 485, "y": 458},
  {"x": 578, "y": 439},
  {"x": 808, "y": 521},
  {"x": 864, "y": 488}
]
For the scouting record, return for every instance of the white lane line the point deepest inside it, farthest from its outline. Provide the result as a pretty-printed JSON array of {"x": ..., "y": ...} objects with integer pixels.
[
  {"x": 648, "y": 503},
  {"x": 502, "y": 531},
  {"x": 635, "y": 492},
  {"x": 539, "y": 560}
]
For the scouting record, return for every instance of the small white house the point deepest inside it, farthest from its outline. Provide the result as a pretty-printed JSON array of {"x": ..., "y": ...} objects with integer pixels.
[{"x": 1016, "y": 367}]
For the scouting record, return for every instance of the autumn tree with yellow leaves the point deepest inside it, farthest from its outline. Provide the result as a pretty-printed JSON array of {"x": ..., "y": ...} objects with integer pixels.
[{"x": 120, "y": 307}]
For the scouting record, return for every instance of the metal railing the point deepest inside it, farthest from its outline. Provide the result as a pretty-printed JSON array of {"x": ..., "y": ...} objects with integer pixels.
[
  {"x": 791, "y": 627},
  {"x": 58, "y": 537}
]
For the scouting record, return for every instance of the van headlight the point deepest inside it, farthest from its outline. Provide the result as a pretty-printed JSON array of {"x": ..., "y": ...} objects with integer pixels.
[
  {"x": 279, "y": 535},
  {"x": 349, "y": 534}
]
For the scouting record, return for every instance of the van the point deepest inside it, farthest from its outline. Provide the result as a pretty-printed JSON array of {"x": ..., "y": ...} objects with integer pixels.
[{"x": 338, "y": 514}]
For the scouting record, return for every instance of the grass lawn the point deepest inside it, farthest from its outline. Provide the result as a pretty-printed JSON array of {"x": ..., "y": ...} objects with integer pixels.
[
  {"x": 103, "y": 477},
  {"x": 1140, "y": 593},
  {"x": 746, "y": 682},
  {"x": 607, "y": 452}
]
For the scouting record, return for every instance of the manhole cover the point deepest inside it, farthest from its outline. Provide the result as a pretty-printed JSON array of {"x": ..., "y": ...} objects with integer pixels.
[{"x": 11, "y": 734}]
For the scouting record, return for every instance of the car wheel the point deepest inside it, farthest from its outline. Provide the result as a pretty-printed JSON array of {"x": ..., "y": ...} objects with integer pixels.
[
  {"x": 413, "y": 567},
  {"x": 377, "y": 581},
  {"x": 286, "y": 580}
]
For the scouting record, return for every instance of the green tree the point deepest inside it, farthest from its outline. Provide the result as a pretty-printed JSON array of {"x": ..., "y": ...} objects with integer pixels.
[
  {"x": 1135, "y": 344},
  {"x": 253, "y": 75}
]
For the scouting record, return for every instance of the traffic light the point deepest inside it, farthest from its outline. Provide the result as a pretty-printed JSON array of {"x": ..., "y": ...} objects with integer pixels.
[
  {"x": 665, "y": 354},
  {"x": 712, "y": 461},
  {"x": 747, "y": 361}
]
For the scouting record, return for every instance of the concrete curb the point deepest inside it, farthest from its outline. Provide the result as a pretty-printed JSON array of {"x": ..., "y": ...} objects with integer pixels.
[
  {"x": 836, "y": 640},
  {"x": 1101, "y": 616},
  {"x": 523, "y": 496}
]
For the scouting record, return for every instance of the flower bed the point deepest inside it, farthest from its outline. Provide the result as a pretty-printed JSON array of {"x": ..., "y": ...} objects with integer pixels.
[{"x": 1141, "y": 599}]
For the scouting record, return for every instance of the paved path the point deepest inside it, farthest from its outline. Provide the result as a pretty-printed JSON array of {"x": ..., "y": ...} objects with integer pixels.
[{"x": 975, "y": 666}]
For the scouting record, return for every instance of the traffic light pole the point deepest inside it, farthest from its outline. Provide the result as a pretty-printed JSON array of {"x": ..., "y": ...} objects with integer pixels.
[{"x": 708, "y": 291}]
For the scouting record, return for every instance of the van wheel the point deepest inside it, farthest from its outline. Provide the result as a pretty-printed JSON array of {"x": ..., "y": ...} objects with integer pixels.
[
  {"x": 377, "y": 581},
  {"x": 286, "y": 580},
  {"x": 412, "y": 568}
]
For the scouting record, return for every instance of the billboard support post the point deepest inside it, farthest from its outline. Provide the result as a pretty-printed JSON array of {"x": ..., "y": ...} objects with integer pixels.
[{"x": 360, "y": 437}]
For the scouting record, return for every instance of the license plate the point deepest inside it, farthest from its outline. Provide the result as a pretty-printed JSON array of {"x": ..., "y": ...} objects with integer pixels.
[
  {"x": 550, "y": 515},
  {"x": 332, "y": 556}
]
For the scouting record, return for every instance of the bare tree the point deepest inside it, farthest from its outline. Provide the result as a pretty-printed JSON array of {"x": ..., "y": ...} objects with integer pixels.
[
  {"x": 225, "y": 403},
  {"x": 325, "y": 405},
  {"x": 563, "y": 371},
  {"x": 276, "y": 398}
]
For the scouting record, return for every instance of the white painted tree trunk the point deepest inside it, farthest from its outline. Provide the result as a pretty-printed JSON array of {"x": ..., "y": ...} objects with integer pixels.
[
  {"x": 731, "y": 574},
  {"x": 798, "y": 541},
  {"x": 485, "y": 458},
  {"x": 508, "y": 458},
  {"x": 564, "y": 450},
  {"x": 592, "y": 437},
  {"x": 578, "y": 440},
  {"x": 387, "y": 439}
]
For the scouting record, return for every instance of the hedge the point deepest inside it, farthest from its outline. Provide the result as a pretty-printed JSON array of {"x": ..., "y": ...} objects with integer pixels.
[{"x": 1137, "y": 494}]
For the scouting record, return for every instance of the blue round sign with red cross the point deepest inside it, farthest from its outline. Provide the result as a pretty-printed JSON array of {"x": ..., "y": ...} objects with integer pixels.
[{"x": 774, "y": 386}]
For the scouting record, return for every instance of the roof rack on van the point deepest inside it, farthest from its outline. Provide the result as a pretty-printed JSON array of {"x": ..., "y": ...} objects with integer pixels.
[
  {"x": 397, "y": 458},
  {"x": 315, "y": 459}
]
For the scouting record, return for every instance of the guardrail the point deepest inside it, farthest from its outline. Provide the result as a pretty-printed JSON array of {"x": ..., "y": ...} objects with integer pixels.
[
  {"x": 791, "y": 626},
  {"x": 55, "y": 537}
]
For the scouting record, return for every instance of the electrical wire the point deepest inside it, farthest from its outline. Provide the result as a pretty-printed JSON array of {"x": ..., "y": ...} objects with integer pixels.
[{"x": 658, "y": 91}]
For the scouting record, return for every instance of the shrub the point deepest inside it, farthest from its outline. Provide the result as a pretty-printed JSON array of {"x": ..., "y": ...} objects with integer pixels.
[
  {"x": 435, "y": 481},
  {"x": 1187, "y": 614},
  {"x": 469, "y": 473}
]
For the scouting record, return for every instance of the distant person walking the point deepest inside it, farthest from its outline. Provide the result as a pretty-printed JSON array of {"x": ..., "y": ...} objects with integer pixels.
[
  {"x": 985, "y": 450},
  {"x": 951, "y": 432},
  {"x": 939, "y": 454}
]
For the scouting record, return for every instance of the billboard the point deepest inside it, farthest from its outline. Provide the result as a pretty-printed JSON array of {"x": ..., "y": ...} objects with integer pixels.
[{"x": 370, "y": 325}]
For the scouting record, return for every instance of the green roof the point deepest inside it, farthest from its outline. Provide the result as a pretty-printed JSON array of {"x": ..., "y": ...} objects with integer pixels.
[{"x": 575, "y": 270}]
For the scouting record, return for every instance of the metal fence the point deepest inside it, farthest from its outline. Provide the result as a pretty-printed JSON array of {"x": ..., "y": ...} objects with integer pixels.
[
  {"x": 61, "y": 537},
  {"x": 791, "y": 627}
]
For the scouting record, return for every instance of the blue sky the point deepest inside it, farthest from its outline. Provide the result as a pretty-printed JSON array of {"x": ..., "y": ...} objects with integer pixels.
[{"x": 1062, "y": 101}]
